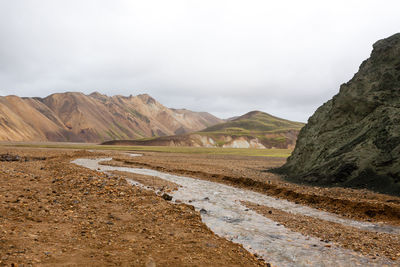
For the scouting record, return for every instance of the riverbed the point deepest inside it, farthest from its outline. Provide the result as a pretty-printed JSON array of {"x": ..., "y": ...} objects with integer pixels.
[{"x": 221, "y": 210}]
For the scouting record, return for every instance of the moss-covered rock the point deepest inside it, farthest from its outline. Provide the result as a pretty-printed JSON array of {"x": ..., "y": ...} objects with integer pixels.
[{"x": 354, "y": 138}]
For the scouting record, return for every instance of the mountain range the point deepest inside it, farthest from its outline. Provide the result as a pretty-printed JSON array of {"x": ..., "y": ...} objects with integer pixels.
[
  {"x": 76, "y": 117},
  {"x": 255, "y": 129}
]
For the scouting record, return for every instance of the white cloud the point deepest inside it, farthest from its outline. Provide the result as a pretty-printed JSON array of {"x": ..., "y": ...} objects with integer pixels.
[{"x": 225, "y": 57}]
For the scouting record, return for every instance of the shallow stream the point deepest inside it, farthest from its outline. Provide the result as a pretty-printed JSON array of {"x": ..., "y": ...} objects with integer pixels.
[{"x": 223, "y": 213}]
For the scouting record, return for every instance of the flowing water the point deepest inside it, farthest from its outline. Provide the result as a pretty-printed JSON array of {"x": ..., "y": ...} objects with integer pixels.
[{"x": 223, "y": 213}]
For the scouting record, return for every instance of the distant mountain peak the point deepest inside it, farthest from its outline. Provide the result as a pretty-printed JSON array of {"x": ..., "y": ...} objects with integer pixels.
[
  {"x": 249, "y": 115},
  {"x": 95, "y": 93},
  {"x": 255, "y": 121},
  {"x": 147, "y": 98}
]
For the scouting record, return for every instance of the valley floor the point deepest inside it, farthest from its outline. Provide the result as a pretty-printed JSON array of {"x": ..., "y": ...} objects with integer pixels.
[
  {"x": 250, "y": 173},
  {"x": 54, "y": 212}
]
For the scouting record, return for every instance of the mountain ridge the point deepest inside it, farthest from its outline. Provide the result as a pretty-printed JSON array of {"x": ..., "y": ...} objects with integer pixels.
[
  {"x": 77, "y": 117},
  {"x": 254, "y": 129}
]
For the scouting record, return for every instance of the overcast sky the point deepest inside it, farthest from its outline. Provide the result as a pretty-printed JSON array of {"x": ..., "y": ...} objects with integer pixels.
[{"x": 225, "y": 57}]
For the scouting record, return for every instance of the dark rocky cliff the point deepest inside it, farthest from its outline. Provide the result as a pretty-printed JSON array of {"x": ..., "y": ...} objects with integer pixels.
[{"x": 354, "y": 138}]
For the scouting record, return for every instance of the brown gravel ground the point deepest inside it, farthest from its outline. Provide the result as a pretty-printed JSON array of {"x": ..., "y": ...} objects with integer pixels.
[
  {"x": 368, "y": 243},
  {"x": 250, "y": 172},
  {"x": 56, "y": 213}
]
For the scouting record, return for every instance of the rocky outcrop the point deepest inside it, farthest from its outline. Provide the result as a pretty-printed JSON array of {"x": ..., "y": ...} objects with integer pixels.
[
  {"x": 354, "y": 138},
  {"x": 77, "y": 117}
]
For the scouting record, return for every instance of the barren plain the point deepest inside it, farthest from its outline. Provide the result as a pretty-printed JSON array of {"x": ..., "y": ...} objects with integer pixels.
[
  {"x": 56, "y": 213},
  {"x": 53, "y": 212}
]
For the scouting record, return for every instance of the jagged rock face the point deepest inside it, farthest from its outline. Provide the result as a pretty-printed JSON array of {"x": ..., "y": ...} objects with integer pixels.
[{"x": 354, "y": 138}]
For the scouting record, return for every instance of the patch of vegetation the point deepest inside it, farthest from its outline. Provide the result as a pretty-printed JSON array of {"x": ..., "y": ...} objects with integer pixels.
[
  {"x": 124, "y": 130},
  {"x": 279, "y": 139},
  {"x": 110, "y": 134},
  {"x": 147, "y": 138},
  {"x": 139, "y": 115},
  {"x": 220, "y": 143},
  {"x": 281, "y": 153},
  {"x": 253, "y": 123},
  {"x": 115, "y": 134},
  {"x": 236, "y": 130}
]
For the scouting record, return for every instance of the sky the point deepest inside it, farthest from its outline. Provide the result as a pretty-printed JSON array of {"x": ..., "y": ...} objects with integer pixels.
[{"x": 226, "y": 57}]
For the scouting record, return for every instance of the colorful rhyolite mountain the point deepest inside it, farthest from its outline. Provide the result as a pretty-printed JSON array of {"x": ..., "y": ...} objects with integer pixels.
[
  {"x": 78, "y": 117},
  {"x": 255, "y": 129}
]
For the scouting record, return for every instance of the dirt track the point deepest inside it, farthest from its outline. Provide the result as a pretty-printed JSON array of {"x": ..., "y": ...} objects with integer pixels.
[{"x": 56, "y": 213}]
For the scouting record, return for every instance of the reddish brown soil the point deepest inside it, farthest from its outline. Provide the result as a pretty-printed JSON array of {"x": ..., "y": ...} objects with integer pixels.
[
  {"x": 53, "y": 212},
  {"x": 249, "y": 172}
]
